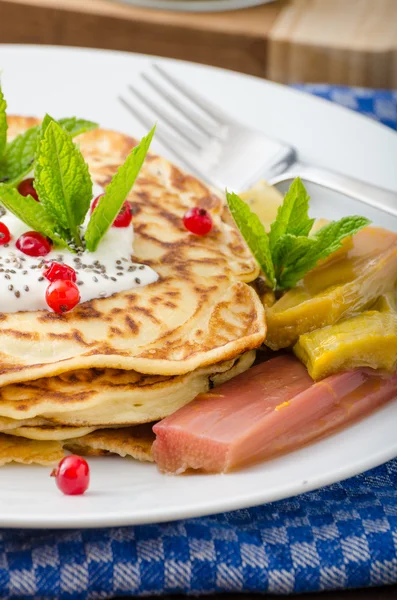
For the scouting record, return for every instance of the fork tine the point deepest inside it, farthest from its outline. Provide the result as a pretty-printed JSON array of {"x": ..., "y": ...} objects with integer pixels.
[
  {"x": 144, "y": 119},
  {"x": 180, "y": 150},
  {"x": 214, "y": 111},
  {"x": 183, "y": 131},
  {"x": 204, "y": 125}
]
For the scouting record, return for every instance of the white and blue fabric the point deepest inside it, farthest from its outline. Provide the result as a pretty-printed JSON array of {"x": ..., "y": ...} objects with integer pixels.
[{"x": 341, "y": 536}]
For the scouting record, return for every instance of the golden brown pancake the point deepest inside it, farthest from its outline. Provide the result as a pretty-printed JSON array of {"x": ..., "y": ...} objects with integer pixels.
[{"x": 201, "y": 311}]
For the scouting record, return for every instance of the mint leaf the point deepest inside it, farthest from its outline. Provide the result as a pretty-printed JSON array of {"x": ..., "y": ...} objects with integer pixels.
[
  {"x": 3, "y": 123},
  {"x": 62, "y": 180},
  {"x": 254, "y": 234},
  {"x": 20, "y": 153},
  {"x": 29, "y": 211},
  {"x": 327, "y": 240},
  {"x": 290, "y": 249},
  {"x": 116, "y": 193},
  {"x": 292, "y": 216},
  {"x": 76, "y": 126}
]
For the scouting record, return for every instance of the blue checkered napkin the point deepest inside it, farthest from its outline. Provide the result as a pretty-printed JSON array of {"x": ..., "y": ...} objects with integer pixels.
[{"x": 341, "y": 536}]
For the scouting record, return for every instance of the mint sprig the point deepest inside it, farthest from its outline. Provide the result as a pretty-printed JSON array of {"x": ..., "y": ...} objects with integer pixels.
[
  {"x": 3, "y": 123},
  {"x": 19, "y": 155},
  {"x": 62, "y": 180},
  {"x": 116, "y": 192},
  {"x": 289, "y": 252}
]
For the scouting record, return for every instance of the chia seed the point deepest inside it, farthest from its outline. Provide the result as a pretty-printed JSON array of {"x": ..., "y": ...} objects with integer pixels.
[
  {"x": 118, "y": 262},
  {"x": 141, "y": 268},
  {"x": 80, "y": 283},
  {"x": 17, "y": 294},
  {"x": 26, "y": 288},
  {"x": 6, "y": 245},
  {"x": 7, "y": 276},
  {"x": 113, "y": 279},
  {"x": 102, "y": 294},
  {"x": 24, "y": 272},
  {"x": 131, "y": 268},
  {"x": 10, "y": 287},
  {"x": 95, "y": 279},
  {"x": 137, "y": 280},
  {"x": 40, "y": 279}
]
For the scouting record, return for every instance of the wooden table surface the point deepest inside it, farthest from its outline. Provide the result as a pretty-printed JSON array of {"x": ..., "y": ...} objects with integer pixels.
[{"x": 351, "y": 42}]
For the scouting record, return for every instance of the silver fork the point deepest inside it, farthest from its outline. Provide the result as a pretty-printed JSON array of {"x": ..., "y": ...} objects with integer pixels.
[{"x": 226, "y": 153}]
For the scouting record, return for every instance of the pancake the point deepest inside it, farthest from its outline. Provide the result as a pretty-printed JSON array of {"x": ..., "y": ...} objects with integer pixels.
[
  {"x": 104, "y": 398},
  {"x": 200, "y": 312},
  {"x": 21, "y": 450},
  {"x": 134, "y": 442}
]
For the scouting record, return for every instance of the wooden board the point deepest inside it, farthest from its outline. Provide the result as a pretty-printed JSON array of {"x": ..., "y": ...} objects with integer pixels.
[
  {"x": 235, "y": 40},
  {"x": 351, "y": 42}
]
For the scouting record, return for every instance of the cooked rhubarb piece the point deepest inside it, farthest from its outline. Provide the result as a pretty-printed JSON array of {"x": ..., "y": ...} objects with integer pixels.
[
  {"x": 224, "y": 427},
  {"x": 366, "y": 340},
  {"x": 350, "y": 280},
  {"x": 272, "y": 408}
]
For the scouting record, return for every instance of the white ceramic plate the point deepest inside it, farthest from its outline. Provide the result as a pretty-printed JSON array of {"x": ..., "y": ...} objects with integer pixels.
[
  {"x": 196, "y": 5},
  {"x": 86, "y": 83}
]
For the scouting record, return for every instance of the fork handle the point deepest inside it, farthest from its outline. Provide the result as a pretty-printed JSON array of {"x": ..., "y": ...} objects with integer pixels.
[{"x": 369, "y": 194}]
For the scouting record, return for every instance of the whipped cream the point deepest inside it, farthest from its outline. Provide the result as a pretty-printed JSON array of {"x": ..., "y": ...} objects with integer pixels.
[{"x": 99, "y": 274}]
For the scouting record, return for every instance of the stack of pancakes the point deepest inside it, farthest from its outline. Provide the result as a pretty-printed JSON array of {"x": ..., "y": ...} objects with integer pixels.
[{"x": 94, "y": 380}]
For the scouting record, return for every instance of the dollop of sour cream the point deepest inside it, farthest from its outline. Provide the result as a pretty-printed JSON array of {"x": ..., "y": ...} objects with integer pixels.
[{"x": 99, "y": 274}]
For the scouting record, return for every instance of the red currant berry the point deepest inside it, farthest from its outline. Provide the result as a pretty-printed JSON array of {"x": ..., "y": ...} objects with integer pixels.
[
  {"x": 124, "y": 217},
  {"x": 33, "y": 243},
  {"x": 95, "y": 202},
  {"x": 5, "y": 235},
  {"x": 57, "y": 271},
  {"x": 62, "y": 295},
  {"x": 198, "y": 221},
  {"x": 72, "y": 475},
  {"x": 26, "y": 188}
]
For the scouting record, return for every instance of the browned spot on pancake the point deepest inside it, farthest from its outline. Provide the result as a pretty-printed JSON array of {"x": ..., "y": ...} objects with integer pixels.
[
  {"x": 58, "y": 336},
  {"x": 87, "y": 311},
  {"x": 155, "y": 299},
  {"x": 116, "y": 311},
  {"x": 147, "y": 314},
  {"x": 116, "y": 331},
  {"x": 50, "y": 316},
  {"x": 131, "y": 325},
  {"x": 21, "y": 407},
  {"x": 22, "y": 335},
  {"x": 79, "y": 338},
  {"x": 3, "y": 317},
  {"x": 131, "y": 297},
  {"x": 173, "y": 293},
  {"x": 170, "y": 304}
]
